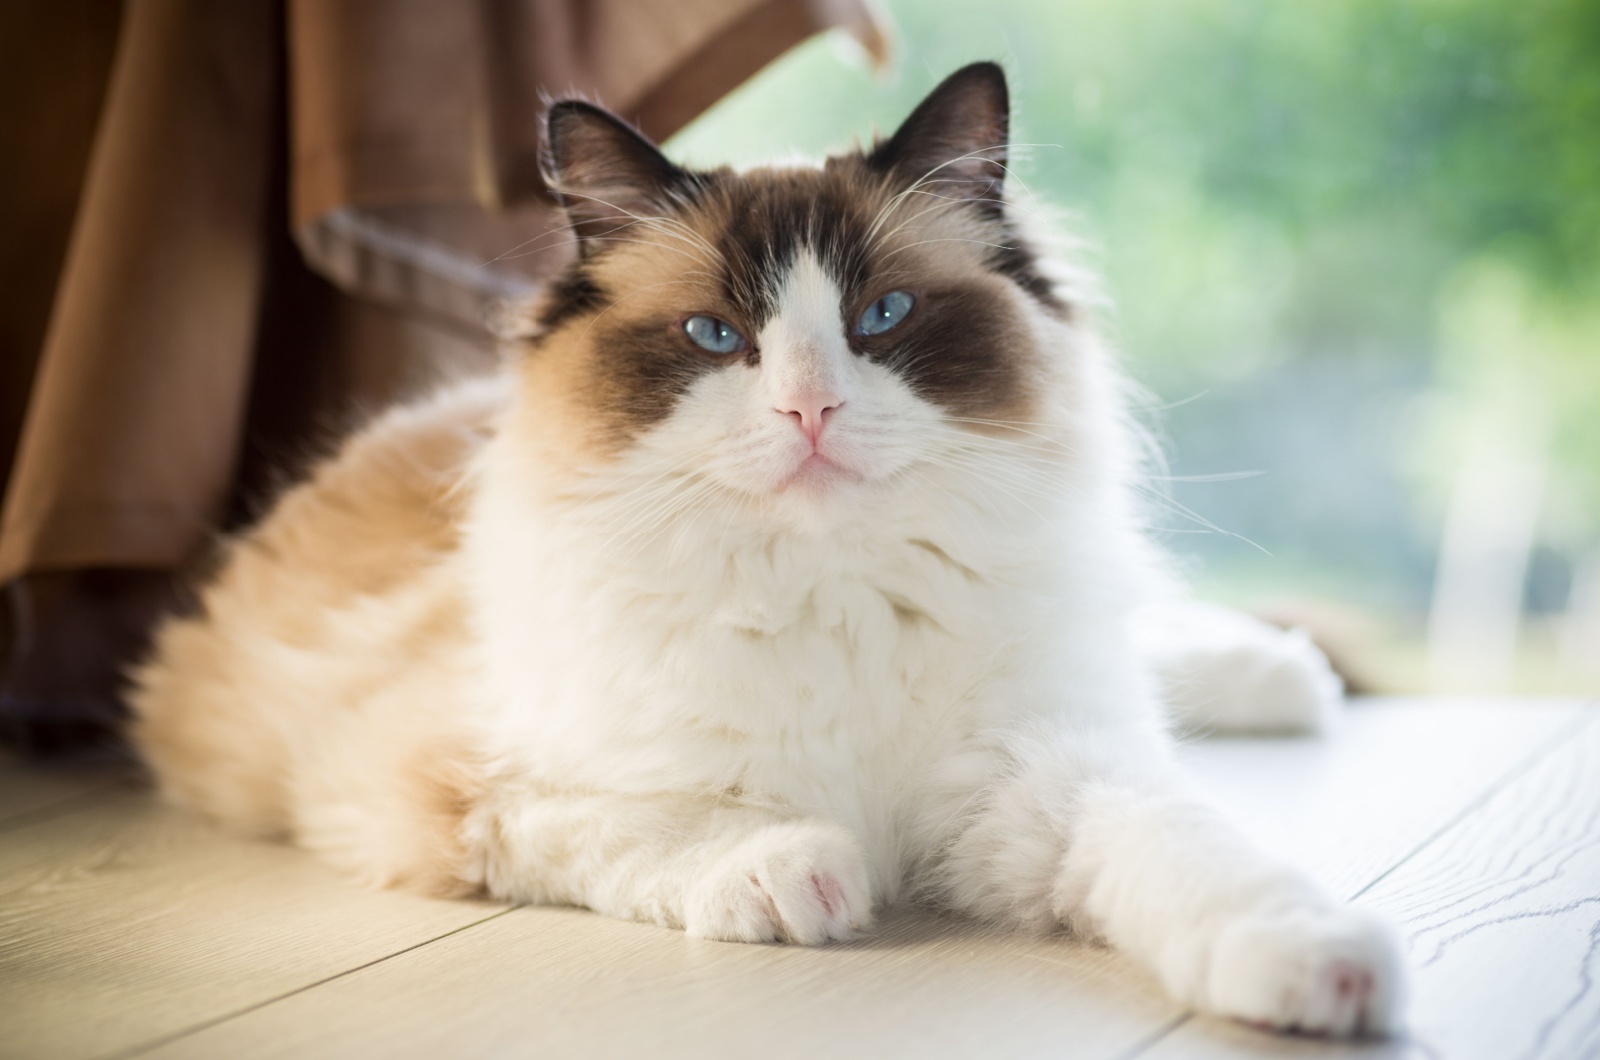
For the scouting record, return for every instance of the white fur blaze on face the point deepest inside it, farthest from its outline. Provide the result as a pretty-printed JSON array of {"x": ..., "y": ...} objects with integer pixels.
[
  {"x": 809, "y": 429},
  {"x": 808, "y": 372}
]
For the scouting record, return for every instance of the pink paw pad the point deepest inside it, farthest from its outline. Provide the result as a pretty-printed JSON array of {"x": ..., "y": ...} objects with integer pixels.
[
  {"x": 1352, "y": 982},
  {"x": 829, "y": 893}
]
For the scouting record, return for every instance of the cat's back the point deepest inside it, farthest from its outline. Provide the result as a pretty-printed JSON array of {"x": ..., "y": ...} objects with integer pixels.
[
  {"x": 367, "y": 520},
  {"x": 345, "y": 585}
]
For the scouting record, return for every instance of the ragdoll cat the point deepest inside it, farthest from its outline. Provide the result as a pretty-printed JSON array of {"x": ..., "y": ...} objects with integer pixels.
[{"x": 786, "y": 570}]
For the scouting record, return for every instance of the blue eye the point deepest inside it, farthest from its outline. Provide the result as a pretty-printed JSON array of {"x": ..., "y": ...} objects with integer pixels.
[
  {"x": 885, "y": 313},
  {"x": 713, "y": 335}
]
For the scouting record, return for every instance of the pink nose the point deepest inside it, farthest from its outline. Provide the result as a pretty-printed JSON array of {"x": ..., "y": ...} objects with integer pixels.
[{"x": 810, "y": 411}]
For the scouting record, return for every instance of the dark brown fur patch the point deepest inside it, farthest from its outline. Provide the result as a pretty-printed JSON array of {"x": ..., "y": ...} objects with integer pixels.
[
  {"x": 648, "y": 366},
  {"x": 1018, "y": 262},
  {"x": 956, "y": 350},
  {"x": 766, "y": 219},
  {"x": 573, "y": 293}
]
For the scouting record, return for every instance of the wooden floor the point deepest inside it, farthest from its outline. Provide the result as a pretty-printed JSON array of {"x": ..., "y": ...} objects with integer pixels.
[{"x": 128, "y": 929}]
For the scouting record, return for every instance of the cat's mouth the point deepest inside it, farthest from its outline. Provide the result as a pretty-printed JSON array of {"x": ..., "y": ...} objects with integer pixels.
[{"x": 816, "y": 472}]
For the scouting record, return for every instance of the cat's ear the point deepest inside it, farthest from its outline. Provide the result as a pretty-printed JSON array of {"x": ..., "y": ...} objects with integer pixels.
[
  {"x": 603, "y": 172},
  {"x": 955, "y": 143}
]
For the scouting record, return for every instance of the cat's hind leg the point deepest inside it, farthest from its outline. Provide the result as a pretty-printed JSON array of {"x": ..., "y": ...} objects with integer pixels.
[
  {"x": 716, "y": 870},
  {"x": 1222, "y": 670},
  {"x": 1094, "y": 832}
]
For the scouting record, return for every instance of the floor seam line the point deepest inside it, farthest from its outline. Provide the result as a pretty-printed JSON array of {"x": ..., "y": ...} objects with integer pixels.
[
  {"x": 168, "y": 1039},
  {"x": 1156, "y": 1037},
  {"x": 1587, "y": 716}
]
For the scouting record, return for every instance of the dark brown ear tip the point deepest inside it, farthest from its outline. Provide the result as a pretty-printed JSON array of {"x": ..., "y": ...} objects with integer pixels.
[
  {"x": 565, "y": 117},
  {"x": 558, "y": 121},
  {"x": 977, "y": 90},
  {"x": 577, "y": 130},
  {"x": 560, "y": 116},
  {"x": 987, "y": 74},
  {"x": 983, "y": 70}
]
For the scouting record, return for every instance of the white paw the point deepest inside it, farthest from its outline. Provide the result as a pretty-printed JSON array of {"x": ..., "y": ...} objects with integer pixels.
[
  {"x": 1332, "y": 972},
  {"x": 802, "y": 882}
]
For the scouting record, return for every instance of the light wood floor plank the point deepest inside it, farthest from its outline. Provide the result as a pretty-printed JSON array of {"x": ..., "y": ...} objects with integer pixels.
[
  {"x": 30, "y": 792},
  {"x": 563, "y": 982},
  {"x": 557, "y": 982},
  {"x": 1501, "y": 913},
  {"x": 124, "y": 921},
  {"x": 1349, "y": 805}
]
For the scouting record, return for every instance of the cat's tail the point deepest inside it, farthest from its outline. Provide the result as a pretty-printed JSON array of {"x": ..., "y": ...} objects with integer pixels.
[{"x": 1224, "y": 671}]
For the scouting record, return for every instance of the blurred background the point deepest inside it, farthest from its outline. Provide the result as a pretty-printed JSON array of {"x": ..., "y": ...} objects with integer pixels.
[{"x": 1354, "y": 255}]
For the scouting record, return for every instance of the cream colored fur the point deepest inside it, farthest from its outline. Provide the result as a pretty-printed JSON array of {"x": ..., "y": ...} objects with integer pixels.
[{"x": 317, "y": 694}]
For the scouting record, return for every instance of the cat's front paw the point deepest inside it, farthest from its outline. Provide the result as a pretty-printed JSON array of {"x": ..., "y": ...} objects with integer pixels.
[
  {"x": 802, "y": 881},
  {"x": 1333, "y": 971}
]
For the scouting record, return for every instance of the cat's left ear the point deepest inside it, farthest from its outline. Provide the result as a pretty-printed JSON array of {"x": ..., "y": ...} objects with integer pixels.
[
  {"x": 956, "y": 142},
  {"x": 604, "y": 173}
]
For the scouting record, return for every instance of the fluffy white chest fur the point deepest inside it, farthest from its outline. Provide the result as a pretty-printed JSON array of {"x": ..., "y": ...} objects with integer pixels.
[
  {"x": 829, "y": 675},
  {"x": 795, "y": 563}
]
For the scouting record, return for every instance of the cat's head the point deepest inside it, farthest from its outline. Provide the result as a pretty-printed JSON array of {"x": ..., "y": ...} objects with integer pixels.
[{"x": 797, "y": 336}]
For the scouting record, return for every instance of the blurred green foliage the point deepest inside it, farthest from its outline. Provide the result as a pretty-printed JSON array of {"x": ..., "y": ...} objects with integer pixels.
[{"x": 1339, "y": 235}]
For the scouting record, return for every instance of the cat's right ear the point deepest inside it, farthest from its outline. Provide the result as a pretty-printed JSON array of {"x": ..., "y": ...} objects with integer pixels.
[{"x": 605, "y": 174}]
